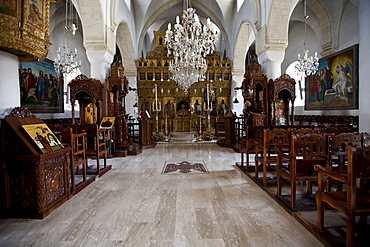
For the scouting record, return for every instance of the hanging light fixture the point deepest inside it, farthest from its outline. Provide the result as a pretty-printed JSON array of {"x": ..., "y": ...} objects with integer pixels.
[
  {"x": 65, "y": 62},
  {"x": 306, "y": 65},
  {"x": 236, "y": 101},
  {"x": 189, "y": 44}
]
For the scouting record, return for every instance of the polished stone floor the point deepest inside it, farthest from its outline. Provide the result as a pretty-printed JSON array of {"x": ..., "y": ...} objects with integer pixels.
[{"x": 135, "y": 205}]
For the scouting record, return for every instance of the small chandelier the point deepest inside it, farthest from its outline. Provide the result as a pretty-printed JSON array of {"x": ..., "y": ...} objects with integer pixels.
[
  {"x": 306, "y": 65},
  {"x": 65, "y": 62},
  {"x": 189, "y": 44}
]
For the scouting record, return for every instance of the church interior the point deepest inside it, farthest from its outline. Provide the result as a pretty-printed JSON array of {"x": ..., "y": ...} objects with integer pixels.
[{"x": 184, "y": 123}]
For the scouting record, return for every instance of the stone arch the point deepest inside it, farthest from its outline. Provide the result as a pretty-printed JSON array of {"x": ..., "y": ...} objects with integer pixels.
[
  {"x": 92, "y": 18},
  {"x": 325, "y": 25},
  {"x": 170, "y": 4},
  {"x": 241, "y": 47},
  {"x": 278, "y": 23},
  {"x": 125, "y": 44},
  {"x": 257, "y": 13}
]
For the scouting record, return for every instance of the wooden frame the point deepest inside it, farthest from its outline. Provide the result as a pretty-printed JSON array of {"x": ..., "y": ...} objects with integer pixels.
[
  {"x": 41, "y": 91},
  {"x": 335, "y": 85}
]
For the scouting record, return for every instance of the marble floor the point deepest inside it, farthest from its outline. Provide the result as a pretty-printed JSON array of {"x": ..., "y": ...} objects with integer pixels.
[{"x": 135, "y": 205}]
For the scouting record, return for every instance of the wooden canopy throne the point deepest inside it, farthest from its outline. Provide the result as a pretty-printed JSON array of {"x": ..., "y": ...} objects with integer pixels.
[
  {"x": 281, "y": 100},
  {"x": 89, "y": 94}
]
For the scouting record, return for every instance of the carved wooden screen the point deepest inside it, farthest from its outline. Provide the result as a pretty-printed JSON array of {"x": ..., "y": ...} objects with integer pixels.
[
  {"x": 117, "y": 89},
  {"x": 255, "y": 91},
  {"x": 281, "y": 100},
  {"x": 89, "y": 93}
]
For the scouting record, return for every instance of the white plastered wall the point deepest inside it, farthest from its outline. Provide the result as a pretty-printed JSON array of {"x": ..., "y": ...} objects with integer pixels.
[{"x": 9, "y": 83}]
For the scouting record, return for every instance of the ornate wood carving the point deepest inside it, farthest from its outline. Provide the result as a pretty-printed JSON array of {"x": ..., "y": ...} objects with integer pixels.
[
  {"x": 54, "y": 182},
  {"x": 284, "y": 82},
  {"x": 91, "y": 92},
  {"x": 25, "y": 30},
  {"x": 22, "y": 191},
  {"x": 117, "y": 89},
  {"x": 281, "y": 92},
  {"x": 91, "y": 86},
  {"x": 20, "y": 112},
  {"x": 34, "y": 183},
  {"x": 255, "y": 92}
]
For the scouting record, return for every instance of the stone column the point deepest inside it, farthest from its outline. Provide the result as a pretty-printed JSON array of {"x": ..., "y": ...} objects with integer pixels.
[
  {"x": 237, "y": 82},
  {"x": 100, "y": 62},
  {"x": 364, "y": 65},
  {"x": 9, "y": 83},
  {"x": 131, "y": 98},
  {"x": 271, "y": 63}
]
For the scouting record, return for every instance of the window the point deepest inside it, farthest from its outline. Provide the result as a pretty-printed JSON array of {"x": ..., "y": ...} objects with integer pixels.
[{"x": 299, "y": 86}]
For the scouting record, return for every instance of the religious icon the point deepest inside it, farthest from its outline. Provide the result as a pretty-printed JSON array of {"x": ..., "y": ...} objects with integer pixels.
[
  {"x": 107, "y": 123},
  {"x": 43, "y": 137}
]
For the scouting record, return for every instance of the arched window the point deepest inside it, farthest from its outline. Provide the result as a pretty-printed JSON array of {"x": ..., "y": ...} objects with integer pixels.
[
  {"x": 239, "y": 3},
  {"x": 67, "y": 79},
  {"x": 128, "y": 3},
  {"x": 300, "y": 84}
]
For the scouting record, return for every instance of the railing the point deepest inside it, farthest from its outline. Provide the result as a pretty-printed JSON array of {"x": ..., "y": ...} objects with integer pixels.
[
  {"x": 239, "y": 130},
  {"x": 134, "y": 131}
]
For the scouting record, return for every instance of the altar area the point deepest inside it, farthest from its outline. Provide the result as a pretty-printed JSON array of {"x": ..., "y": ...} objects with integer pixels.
[
  {"x": 186, "y": 138},
  {"x": 173, "y": 109}
]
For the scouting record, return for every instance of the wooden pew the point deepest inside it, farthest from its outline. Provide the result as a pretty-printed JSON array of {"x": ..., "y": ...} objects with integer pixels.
[
  {"x": 305, "y": 152},
  {"x": 352, "y": 202}
]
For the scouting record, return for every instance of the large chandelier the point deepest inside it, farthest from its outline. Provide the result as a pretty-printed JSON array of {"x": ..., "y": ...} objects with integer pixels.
[
  {"x": 65, "y": 62},
  {"x": 189, "y": 44},
  {"x": 306, "y": 66}
]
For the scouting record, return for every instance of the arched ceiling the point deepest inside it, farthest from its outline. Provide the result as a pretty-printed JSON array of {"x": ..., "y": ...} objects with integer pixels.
[
  {"x": 270, "y": 20},
  {"x": 157, "y": 15}
]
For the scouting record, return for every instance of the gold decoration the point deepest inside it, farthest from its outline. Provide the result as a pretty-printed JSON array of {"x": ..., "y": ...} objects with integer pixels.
[
  {"x": 154, "y": 70},
  {"x": 25, "y": 28}
]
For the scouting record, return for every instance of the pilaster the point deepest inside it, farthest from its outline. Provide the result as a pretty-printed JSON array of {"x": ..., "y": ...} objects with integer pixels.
[
  {"x": 100, "y": 61},
  {"x": 271, "y": 63},
  {"x": 9, "y": 83},
  {"x": 364, "y": 65}
]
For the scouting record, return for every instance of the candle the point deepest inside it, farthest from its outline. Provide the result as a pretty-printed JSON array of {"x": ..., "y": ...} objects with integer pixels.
[
  {"x": 155, "y": 90},
  {"x": 207, "y": 96}
]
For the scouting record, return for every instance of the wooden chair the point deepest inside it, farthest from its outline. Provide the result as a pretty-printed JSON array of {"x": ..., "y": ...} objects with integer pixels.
[
  {"x": 303, "y": 131},
  {"x": 61, "y": 133},
  {"x": 330, "y": 130},
  {"x": 78, "y": 153},
  {"x": 95, "y": 144},
  {"x": 78, "y": 158},
  {"x": 355, "y": 200},
  {"x": 253, "y": 135},
  {"x": 305, "y": 152},
  {"x": 266, "y": 153},
  {"x": 338, "y": 146}
]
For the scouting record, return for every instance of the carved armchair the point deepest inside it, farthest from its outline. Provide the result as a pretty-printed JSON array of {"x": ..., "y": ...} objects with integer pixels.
[
  {"x": 95, "y": 145},
  {"x": 266, "y": 153},
  {"x": 352, "y": 202},
  {"x": 305, "y": 152}
]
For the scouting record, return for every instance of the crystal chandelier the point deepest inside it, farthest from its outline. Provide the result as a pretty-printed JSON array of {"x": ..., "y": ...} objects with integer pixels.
[
  {"x": 189, "y": 44},
  {"x": 306, "y": 65},
  {"x": 65, "y": 62}
]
